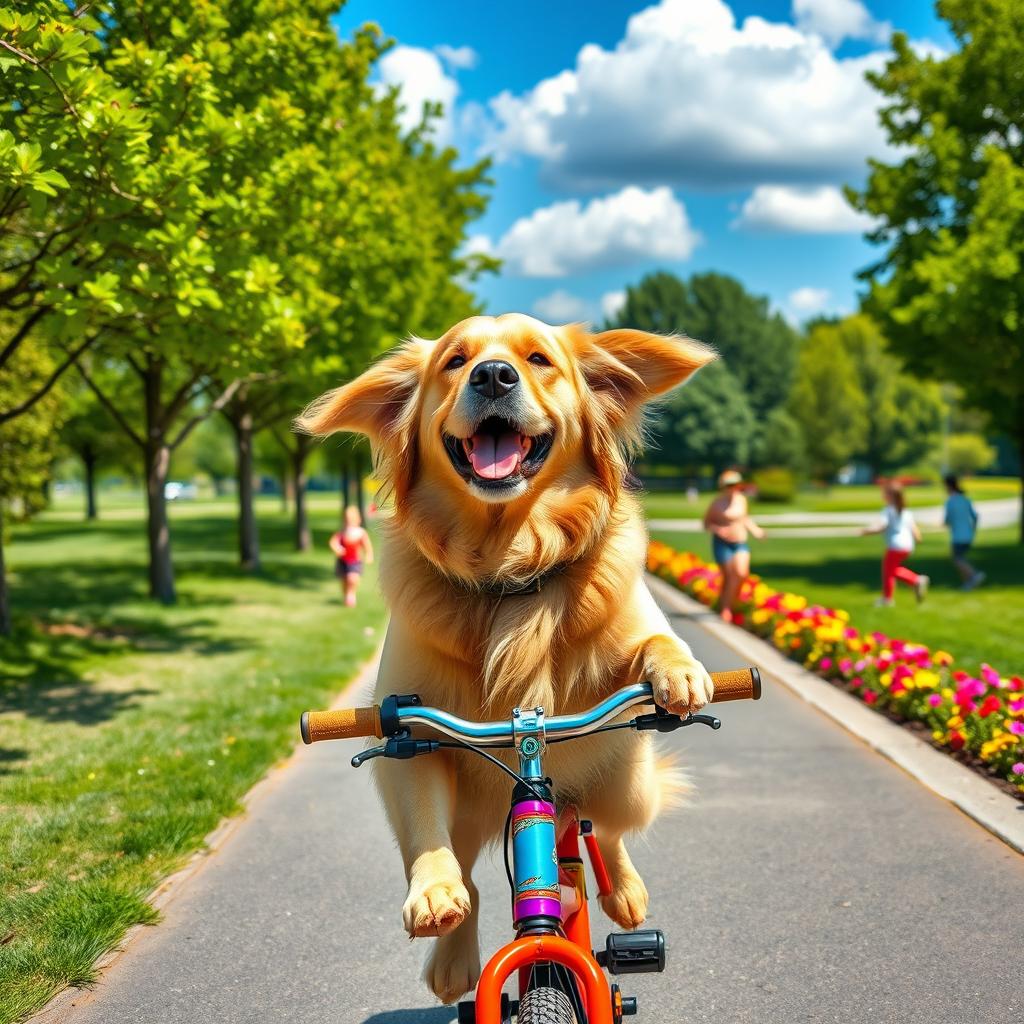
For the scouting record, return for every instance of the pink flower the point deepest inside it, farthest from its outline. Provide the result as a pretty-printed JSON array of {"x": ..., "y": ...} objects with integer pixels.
[
  {"x": 825, "y": 664},
  {"x": 1017, "y": 705},
  {"x": 860, "y": 665},
  {"x": 850, "y": 633},
  {"x": 1017, "y": 728},
  {"x": 934, "y": 699},
  {"x": 870, "y": 696},
  {"x": 845, "y": 665},
  {"x": 1018, "y": 768},
  {"x": 856, "y": 681},
  {"x": 990, "y": 675}
]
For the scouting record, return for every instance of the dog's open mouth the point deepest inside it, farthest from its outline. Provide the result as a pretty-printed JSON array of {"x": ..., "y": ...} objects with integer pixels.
[{"x": 497, "y": 454}]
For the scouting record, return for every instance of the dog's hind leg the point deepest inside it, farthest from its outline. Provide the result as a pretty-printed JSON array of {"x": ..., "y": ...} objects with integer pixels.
[
  {"x": 453, "y": 966},
  {"x": 419, "y": 809}
]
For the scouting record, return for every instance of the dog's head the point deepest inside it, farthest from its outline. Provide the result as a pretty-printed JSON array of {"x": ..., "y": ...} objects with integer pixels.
[{"x": 507, "y": 411}]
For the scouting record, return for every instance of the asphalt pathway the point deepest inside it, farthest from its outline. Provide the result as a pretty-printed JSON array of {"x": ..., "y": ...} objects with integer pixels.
[{"x": 809, "y": 880}]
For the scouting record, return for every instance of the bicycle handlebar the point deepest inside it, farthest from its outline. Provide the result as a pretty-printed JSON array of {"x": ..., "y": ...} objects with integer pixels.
[{"x": 348, "y": 723}]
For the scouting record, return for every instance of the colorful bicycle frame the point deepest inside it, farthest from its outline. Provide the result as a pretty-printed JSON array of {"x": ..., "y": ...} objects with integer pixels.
[{"x": 543, "y": 937}]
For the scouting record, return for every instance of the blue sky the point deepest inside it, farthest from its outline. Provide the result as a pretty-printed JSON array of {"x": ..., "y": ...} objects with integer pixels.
[{"x": 686, "y": 135}]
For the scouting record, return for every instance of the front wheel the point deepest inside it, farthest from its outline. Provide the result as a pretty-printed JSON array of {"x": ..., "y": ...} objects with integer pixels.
[{"x": 546, "y": 1006}]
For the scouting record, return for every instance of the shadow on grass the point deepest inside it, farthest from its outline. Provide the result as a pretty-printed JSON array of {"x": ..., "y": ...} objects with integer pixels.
[
  {"x": 90, "y": 602},
  {"x": 8, "y": 755}
]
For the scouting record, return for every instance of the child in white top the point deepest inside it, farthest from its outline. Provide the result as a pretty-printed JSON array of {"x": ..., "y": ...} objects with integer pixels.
[{"x": 901, "y": 533}]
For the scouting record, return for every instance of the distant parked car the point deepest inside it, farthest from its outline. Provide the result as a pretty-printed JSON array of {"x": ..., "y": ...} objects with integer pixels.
[{"x": 176, "y": 490}]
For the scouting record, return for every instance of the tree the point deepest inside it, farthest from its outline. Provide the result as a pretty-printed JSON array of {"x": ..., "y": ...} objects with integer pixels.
[
  {"x": 213, "y": 452},
  {"x": 27, "y": 447},
  {"x": 780, "y": 442},
  {"x": 903, "y": 416},
  {"x": 967, "y": 454},
  {"x": 706, "y": 423},
  {"x": 949, "y": 288},
  {"x": 827, "y": 402},
  {"x": 92, "y": 436},
  {"x": 758, "y": 347}
]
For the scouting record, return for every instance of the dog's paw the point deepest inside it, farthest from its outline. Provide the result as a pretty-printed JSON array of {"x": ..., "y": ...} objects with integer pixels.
[
  {"x": 435, "y": 908},
  {"x": 681, "y": 683},
  {"x": 626, "y": 904},
  {"x": 453, "y": 966}
]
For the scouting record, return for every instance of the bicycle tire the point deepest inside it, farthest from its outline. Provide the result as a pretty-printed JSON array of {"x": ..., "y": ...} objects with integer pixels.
[{"x": 546, "y": 1006}]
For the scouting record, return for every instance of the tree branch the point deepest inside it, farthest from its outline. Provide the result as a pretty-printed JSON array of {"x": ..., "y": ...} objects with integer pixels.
[
  {"x": 20, "y": 334},
  {"x": 183, "y": 396},
  {"x": 110, "y": 407},
  {"x": 225, "y": 396},
  {"x": 11, "y": 414}
]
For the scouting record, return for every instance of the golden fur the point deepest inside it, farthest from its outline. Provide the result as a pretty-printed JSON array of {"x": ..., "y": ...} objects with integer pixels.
[{"x": 591, "y": 629}]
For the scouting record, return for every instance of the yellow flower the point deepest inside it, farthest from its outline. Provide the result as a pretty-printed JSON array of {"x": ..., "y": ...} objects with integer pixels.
[{"x": 955, "y": 722}]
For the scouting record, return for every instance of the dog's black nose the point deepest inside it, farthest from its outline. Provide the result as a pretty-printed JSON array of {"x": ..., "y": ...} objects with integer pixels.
[{"x": 494, "y": 378}]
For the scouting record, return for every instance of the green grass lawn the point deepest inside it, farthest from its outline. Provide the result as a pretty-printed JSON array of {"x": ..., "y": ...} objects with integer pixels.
[
  {"x": 986, "y": 625},
  {"x": 128, "y": 730},
  {"x": 855, "y": 498}
]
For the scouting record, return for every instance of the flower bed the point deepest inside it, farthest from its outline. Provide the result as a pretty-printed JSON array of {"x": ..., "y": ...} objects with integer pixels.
[{"x": 982, "y": 716}]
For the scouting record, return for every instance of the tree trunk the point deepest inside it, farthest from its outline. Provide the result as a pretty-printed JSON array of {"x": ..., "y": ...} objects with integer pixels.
[
  {"x": 5, "y": 609},
  {"x": 157, "y": 459},
  {"x": 89, "y": 460},
  {"x": 1020, "y": 473},
  {"x": 303, "y": 539},
  {"x": 248, "y": 533}
]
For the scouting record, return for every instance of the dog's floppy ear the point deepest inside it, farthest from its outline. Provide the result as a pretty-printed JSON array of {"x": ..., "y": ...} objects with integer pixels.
[
  {"x": 377, "y": 403},
  {"x": 636, "y": 366}
]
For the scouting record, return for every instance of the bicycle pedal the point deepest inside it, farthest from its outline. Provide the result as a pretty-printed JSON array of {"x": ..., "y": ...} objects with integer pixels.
[
  {"x": 467, "y": 1010},
  {"x": 638, "y": 952}
]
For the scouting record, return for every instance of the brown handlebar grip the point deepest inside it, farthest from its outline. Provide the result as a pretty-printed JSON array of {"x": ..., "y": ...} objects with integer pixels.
[
  {"x": 343, "y": 724},
  {"x": 739, "y": 684}
]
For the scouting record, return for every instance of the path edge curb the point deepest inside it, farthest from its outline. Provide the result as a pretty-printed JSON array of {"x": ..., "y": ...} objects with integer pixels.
[
  {"x": 69, "y": 999},
  {"x": 994, "y": 810}
]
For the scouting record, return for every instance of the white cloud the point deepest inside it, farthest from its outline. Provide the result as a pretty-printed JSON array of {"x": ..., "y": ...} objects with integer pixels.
[
  {"x": 689, "y": 97},
  {"x": 421, "y": 78},
  {"x": 460, "y": 58},
  {"x": 612, "y": 303},
  {"x": 562, "y": 307},
  {"x": 807, "y": 301},
  {"x": 626, "y": 227},
  {"x": 836, "y": 20},
  {"x": 818, "y": 209}
]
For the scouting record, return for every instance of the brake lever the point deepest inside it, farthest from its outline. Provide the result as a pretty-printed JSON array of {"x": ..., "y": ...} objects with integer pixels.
[
  {"x": 399, "y": 748},
  {"x": 662, "y": 721}
]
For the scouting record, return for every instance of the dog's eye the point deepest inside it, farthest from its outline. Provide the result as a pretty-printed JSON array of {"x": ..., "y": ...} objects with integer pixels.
[
  {"x": 455, "y": 362},
  {"x": 539, "y": 360}
]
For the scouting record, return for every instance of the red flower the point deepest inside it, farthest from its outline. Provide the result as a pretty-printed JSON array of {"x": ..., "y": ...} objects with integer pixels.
[
  {"x": 956, "y": 740},
  {"x": 870, "y": 696},
  {"x": 989, "y": 705}
]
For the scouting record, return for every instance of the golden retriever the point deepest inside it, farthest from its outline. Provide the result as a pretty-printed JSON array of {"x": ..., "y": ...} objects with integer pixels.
[{"x": 506, "y": 445}]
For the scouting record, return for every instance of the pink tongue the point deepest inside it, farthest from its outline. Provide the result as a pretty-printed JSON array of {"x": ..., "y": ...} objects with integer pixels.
[{"x": 495, "y": 458}]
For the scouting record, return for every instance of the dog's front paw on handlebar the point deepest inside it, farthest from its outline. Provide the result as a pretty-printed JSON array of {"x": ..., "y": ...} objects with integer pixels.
[{"x": 679, "y": 682}]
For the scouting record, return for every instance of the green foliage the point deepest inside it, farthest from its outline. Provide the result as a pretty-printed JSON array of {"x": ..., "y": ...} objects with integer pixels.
[
  {"x": 705, "y": 423},
  {"x": 903, "y": 415},
  {"x": 28, "y": 444},
  {"x": 949, "y": 285},
  {"x": 967, "y": 454},
  {"x": 780, "y": 442},
  {"x": 775, "y": 484},
  {"x": 828, "y": 404},
  {"x": 758, "y": 347}
]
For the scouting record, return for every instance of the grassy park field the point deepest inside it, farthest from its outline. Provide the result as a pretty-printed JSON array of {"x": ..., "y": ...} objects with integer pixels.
[{"x": 129, "y": 729}]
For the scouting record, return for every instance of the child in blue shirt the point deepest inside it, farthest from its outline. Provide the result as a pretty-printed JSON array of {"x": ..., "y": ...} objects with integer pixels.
[{"x": 962, "y": 520}]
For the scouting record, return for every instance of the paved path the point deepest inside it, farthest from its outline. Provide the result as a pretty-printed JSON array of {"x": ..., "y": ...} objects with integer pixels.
[
  {"x": 809, "y": 881},
  {"x": 998, "y": 512}
]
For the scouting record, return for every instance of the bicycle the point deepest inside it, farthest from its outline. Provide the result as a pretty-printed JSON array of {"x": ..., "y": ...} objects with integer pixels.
[{"x": 559, "y": 976}]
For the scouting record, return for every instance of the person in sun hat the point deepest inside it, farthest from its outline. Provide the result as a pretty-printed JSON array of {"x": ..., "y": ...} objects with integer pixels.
[{"x": 728, "y": 521}]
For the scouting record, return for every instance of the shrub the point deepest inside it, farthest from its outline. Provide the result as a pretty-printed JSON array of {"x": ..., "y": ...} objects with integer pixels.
[{"x": 775, "y": 484}]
